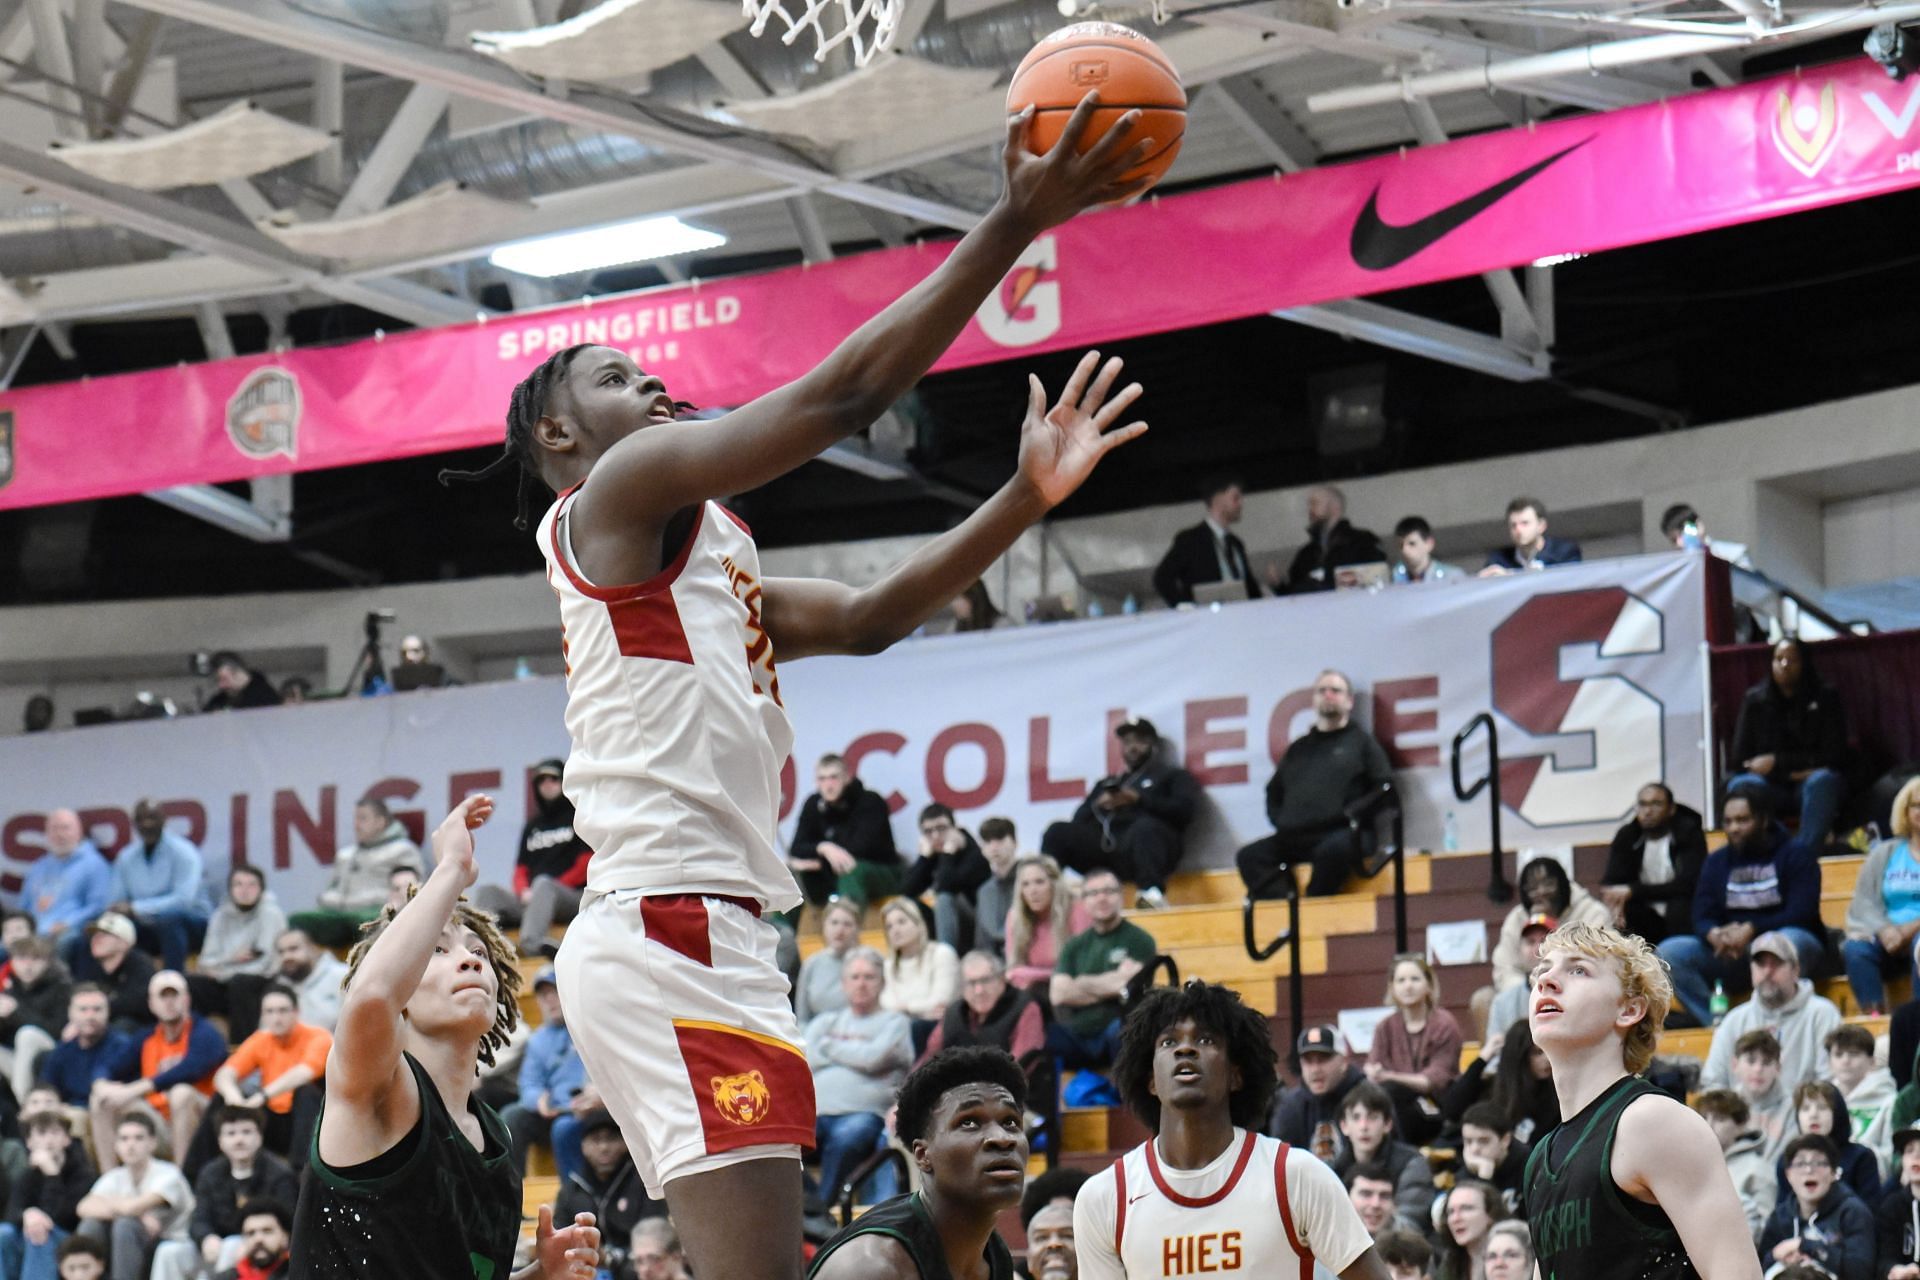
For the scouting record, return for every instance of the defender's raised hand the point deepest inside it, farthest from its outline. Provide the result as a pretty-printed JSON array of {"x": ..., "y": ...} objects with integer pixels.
[
  {"x": 1044, "y": 191},
  {"x": 1059, "y": 447},
  {"x": 453, "y": 839}
]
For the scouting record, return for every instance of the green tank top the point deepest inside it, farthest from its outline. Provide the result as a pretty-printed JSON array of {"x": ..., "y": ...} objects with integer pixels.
[
  {"x": 1584, "y": 1226},
  {"x": 429, "y": 1208},
  {"x": 908, "y": 1220}
]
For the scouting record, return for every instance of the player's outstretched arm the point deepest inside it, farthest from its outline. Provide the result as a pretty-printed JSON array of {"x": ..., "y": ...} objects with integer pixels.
[
  {"x": 1059, "y": 447},
  {"x": 666, "y": 467},
  {"x": 571, "y": 1253},
  {"x": 1664, "y": 1149},
  {"x": 365, "y": 1066}
]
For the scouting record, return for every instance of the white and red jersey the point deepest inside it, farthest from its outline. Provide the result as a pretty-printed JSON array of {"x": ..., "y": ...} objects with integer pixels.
[
  {"x": 673, "y": 704},
  {"x": 1262, "y": 1209}
]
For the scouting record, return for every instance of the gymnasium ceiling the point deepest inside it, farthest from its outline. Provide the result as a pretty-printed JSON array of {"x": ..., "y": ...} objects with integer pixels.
[{"x": 98, "y": 278}]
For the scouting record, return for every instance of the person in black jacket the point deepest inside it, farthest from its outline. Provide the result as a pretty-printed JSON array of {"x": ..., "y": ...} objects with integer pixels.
[
  {"x": 1653, "y": 866},
  {"x": 1131, "y": 824},
  {"x": 1208, "y": 552},
  {"x": 842, "y": 841},
  {"x": 44, "y": 1207},
  {"x": 1529, "y": 545},
  {"x": 1332, "y": 543},
  {"x": 1308, "y": 1115},
  {"x": 1791, "y": 738},
  {"x": 609, "y": 1188},
  {"x": 243, "y": 1173},
  {"x": 240, "y": 686},
  {"x": 953, "y": 866},
  {"x": 550, "y": 872},
  {"x": 33, "y": 1008},
  {"x": 1896, "y": 1218},
  {"x": 111, "y": 960},
  {"x": 1336, "y": 765}
]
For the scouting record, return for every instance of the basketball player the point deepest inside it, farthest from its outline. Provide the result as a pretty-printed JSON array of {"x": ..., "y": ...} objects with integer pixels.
[
  {"x": 961, "y": 1113},
  {"x": 1631, "y": 1185},
  {"x": 411, "y": 1174},
  {"x": 668, "y": 974},
  {"x": 1208, "y": 1194}
]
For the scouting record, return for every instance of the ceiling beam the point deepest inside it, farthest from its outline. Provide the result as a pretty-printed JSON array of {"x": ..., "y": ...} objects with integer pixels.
[
  {"x": 814, "y": 244},
  {"x": 219, "y": 237},
  {"x": 387, "y": 163},
  {"x": 214, "y": 334},
  {"x": 14, "y": 345},
  {"x": 329, "y": 116},
  {"x": 1284, "y": 143},
  {"x": 224, "y": 510},
  {"x": 54, "y": 56},
  {"x": 473, "y": 76},
  {"x": 90, "y": 57},
  {"x": 1417, "y": 335}
]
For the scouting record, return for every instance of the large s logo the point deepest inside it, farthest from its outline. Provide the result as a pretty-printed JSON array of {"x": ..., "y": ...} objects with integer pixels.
[
  {"x": 1025, "y": 309},
  {"x": 1617, "y": 728}
]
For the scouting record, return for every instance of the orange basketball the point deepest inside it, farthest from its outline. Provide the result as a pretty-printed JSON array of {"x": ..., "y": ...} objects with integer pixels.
[{"x": 1130, "y": 73}]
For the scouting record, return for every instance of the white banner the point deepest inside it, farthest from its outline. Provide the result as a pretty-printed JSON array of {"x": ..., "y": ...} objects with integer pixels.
[{"x": 1593, "y": 674}]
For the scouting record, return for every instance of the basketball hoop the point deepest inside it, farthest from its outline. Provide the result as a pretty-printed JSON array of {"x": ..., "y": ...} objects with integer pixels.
[{"x": 882, "y": 16}]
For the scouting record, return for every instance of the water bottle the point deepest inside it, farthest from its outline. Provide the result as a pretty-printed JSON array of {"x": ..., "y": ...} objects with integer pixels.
[
  {"x": 1690, "y": 539},
  {"x": 1717, "y": 1006},
  {"x": 1450, "y": 834},
  {"x": 1095, "y": 609},
  {"x": 1130, "y": 605},
  {"x": 521, "y": 671}
]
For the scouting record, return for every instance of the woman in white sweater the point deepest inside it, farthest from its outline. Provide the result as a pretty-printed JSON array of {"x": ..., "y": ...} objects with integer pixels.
[{"x": 923, "y": 976}]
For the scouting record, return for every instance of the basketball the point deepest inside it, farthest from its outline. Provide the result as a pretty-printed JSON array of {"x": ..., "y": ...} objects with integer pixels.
[{"x": 1130, "y": 73}]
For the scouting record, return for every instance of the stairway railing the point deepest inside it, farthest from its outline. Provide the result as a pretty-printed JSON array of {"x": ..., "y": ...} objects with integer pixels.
[{"x": 1498, "y": 887}]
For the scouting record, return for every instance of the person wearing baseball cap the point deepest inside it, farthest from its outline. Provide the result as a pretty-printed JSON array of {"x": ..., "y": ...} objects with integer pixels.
[
  {"x": 177, "y": 1062},
  {"x": 1132, "y": 823},
  {"x": 1308, "y": 1115},
  {"x": 1510, "y": 1006},
  {"x": 120, "y": 968},
  {"x": 1783, "y": 1003},
  {"x": 608, "y": 1187},
  {"x": 550, "y": 871}
]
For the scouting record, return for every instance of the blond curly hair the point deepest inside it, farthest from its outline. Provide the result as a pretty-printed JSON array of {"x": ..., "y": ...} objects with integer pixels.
[
  {"x": 1643, "y": 976},
  {"x": 500, "y": 955}
]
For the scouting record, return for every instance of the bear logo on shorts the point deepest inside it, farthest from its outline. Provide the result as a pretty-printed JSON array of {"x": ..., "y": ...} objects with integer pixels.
[{"x": 743, "y": 1098}]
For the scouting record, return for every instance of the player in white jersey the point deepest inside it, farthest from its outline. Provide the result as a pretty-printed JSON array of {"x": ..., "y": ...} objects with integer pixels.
[
  {"x": 668, "y": 974},
  {"x": 1207, "y": 1195}
]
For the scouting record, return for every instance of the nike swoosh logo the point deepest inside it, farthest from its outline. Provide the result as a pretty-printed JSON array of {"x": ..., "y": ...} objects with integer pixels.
[
  {"x": 1142, "y": 1196},
  {"x": 1378, "y": 244}
]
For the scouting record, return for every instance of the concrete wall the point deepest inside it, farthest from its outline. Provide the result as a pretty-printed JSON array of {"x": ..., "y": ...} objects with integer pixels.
[{"x": 1827, "y": 495}]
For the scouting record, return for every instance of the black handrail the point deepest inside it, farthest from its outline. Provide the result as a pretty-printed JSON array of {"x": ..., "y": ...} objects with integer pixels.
[
  {"x": 1282, "y": 878},
  {"x": 1498, "y": 888},
  {"x": 864, "y": 1170},
  {"x": 1368, "y": 809}
]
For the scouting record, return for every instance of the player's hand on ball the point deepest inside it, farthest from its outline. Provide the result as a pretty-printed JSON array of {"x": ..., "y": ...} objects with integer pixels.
[
  {"x": 1059, "y": 447},
  {"x": 453, "y": 839},
  {"x": 1044, "y": 191},
  {"x": 572, "y": 1252}
]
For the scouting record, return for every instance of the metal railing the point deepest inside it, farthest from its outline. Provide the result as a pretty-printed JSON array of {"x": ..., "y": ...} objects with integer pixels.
[
  {"x": 1498, "y": 887},
  {"x": 1282, "y": 878},
  {"x": 843, "y": 1197},
  {"x": 1383, "y": 804}
]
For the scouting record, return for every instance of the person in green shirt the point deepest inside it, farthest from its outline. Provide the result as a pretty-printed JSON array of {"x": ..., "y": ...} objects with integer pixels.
[{"x": 1090, "y": 977}]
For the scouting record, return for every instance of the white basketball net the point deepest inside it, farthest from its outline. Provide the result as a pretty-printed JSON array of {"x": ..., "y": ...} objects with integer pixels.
[{"x": 882, "y": 16}]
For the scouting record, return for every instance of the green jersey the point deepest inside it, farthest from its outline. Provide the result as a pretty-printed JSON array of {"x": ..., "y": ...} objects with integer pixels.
[{"x": 1584, "y": 1226}]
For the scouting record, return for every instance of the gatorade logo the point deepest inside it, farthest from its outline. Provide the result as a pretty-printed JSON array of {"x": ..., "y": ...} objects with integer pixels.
[{"x": 1025, "y": 309}]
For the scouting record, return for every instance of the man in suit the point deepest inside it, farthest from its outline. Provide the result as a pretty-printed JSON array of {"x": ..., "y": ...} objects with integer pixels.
[
  {"x": 1209, "y": 551},
  {"x": 1531, "y": 547}
]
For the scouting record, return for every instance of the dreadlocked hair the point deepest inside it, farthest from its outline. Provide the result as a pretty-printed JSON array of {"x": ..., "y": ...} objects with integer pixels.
[
  {"x": 528, "y": 405},
  {"x": 524, "y": 410},
  {"x": 500, "y": 955},
  {"x": 1217, "y": 1009}
]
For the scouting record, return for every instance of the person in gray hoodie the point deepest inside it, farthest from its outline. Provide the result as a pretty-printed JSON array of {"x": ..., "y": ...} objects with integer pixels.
[
  {"x": 358, "y": 889},
  {"x": 237, "y": 959},
  {"x": 1783, "y": 1003},
  {"x": 1745, "y": 1149}
]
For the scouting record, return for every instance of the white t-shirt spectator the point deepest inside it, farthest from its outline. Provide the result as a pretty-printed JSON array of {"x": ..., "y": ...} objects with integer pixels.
[{"x": 162, "y": 1179}]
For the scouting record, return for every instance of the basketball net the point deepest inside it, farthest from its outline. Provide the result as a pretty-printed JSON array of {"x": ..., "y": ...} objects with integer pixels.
[{"x": 801, "y": 16}]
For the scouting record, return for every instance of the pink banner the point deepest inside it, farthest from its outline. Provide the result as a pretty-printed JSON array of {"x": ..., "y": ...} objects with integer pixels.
[{"x": 1498, "y": 200}]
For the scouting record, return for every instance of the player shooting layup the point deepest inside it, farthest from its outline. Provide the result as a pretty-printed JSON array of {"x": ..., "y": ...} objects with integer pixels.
[
  {"x": 668, "y": 974},
  {"x": 1631, "y": 1185}
]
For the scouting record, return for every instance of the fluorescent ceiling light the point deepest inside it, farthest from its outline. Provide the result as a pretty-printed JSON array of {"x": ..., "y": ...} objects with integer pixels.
[
  {"x": 573, "y": 251},
  {"x": 1554, "y": 260}
]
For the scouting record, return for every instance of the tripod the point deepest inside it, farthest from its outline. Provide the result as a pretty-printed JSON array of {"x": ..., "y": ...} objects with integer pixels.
[{"x": 370, "y": 669}]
